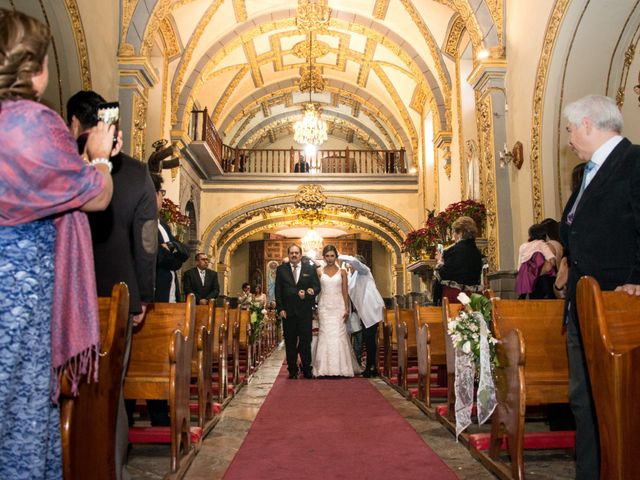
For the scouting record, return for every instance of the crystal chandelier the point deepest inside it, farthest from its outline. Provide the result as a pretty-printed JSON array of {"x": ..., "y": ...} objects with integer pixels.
[
  {"x": 311, "y": 130},
  {"x": 311, "y": 243}
]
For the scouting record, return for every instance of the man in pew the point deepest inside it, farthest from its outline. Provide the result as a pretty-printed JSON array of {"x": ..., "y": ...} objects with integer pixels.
[
  {"x": 601, "y": 231},
  {"x": 201, "y": 281},
  {"x": 123, "y": 237}
]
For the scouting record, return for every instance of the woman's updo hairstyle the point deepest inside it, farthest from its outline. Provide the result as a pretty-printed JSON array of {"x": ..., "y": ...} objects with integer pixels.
[
  {"x": 23, "y": 47},
  {"x": 329, "y": 248}
]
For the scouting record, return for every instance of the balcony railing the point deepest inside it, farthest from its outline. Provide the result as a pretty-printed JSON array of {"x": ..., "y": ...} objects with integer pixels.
[{"x": 265, "y": 161}]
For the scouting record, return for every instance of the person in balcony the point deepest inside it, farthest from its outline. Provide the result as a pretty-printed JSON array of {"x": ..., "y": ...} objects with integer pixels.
[
  {"x": 301, "y": 166},
  {"x": 459, "y": 267}
]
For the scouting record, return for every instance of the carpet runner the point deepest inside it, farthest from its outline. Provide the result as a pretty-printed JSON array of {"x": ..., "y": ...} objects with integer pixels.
[{"x": 332, "y": 428}]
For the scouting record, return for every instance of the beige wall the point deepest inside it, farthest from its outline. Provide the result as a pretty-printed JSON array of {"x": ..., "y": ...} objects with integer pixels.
[
  {"x": 382, "y": 269},
  {"x": 238, "y": 271}
]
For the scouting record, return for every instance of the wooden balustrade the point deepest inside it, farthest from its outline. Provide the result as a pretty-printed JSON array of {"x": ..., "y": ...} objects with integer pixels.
[{"x": 269, "y": 161}]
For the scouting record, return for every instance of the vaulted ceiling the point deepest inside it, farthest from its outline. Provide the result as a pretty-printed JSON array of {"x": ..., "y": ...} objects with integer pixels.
[{"x": 383, "y": 61}]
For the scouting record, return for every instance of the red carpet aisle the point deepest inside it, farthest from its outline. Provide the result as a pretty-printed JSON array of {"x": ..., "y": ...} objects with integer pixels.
[{"x": 332, "y": 428}]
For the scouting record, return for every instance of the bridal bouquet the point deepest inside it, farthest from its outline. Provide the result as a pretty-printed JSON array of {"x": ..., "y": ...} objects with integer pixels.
[
  {"x": 257, "y": 311},
  {"x": 474, "y": 345}
]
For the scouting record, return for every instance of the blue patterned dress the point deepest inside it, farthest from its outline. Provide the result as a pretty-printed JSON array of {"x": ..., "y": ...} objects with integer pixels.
[{"x": 26, "y": 290}]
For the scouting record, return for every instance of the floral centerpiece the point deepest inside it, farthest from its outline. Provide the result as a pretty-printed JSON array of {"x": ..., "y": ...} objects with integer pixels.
[
  {"x": 257, "y": 311},
  {"x": 170, "y": 214},
  {"x": 423, "y": 241},
  {"x": 475, "y": 358},
  {"x": 466, "y": 208}
]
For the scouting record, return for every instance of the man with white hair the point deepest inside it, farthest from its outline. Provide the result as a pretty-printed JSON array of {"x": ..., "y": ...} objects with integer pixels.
[{"x": 601, "y": 231}]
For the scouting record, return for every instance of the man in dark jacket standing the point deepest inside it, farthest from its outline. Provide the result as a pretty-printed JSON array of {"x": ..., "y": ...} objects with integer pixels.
[{"x": 201, "y": 281}]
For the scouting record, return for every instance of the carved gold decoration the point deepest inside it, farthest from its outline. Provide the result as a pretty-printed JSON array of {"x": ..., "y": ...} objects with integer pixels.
[
  {"x": 463, "y": 165},
  {"x": 313, "y": 15},
  {"x": 80, "y": 41},
  {"x": 170, "y": 38},
  {"x": 128, "y": 7},
  {"x": 369, "y": 51},
  {"x": 250, "y": 52},
  {"x": 311, "y": 79},
  {"x": 316, "y": 49},
  {"x": 629, "y": 55},
  {"x": 454, "y": 35},
  {"x": 553, "y": 27},
  {"x": 418, "y": 100},
  {"x": 471, "y": 22},
  {"x": 495, "y": 8},
  {"x": 484, "y": 110},
  {"x": 380, "y": 9},
  {"x": 139, "y": 125},
  {"x": 240, "y": 10},
  {"x": 232, "y": 85}
]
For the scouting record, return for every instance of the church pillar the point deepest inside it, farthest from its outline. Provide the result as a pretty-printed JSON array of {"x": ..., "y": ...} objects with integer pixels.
[
  {"x": 488, "y": 80},
  {"x": 223, "y": 278},
  {"x": 137, "y": 76},
  {"x": 399, "y": 273}
]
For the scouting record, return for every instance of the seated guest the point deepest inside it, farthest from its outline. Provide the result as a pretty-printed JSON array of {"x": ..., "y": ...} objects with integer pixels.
[
  {"x": 259, "y": 297},
  {"x": 536, "y": 266},
  {"x": 201, "y": 281},
  {"x": 245, "y": 298},
  {"x": 459, "y": 267},
  {"x": 301, "y": 166}
]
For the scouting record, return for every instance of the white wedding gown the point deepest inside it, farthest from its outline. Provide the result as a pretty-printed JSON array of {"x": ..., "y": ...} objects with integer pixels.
[{"x": 334, "y": 355}]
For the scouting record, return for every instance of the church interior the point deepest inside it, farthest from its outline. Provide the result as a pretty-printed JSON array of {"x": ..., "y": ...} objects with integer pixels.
[{"x": 356, "y": 123}]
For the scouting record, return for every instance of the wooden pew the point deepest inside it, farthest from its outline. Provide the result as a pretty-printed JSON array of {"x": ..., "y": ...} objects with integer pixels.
[
  {"x": 219, "y": 354},
  {"x": 245, "y": 345},
  {"x": 390, "y": 342},
  {"x": 404, "y": 319},
  {"x": 610, "y": 327},
  {"x": 201, "y": 366},
  {"x": 430, "y": 341},
  {"x": 233, "y": 349},
  {"x": 533, "y": 374},
  {"x": 160, "y": 369},
  {"x": 87, "y": 422}
]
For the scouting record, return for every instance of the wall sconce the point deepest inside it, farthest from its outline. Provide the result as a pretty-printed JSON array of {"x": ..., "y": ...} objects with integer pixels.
[{"x": 514, "y": 156}]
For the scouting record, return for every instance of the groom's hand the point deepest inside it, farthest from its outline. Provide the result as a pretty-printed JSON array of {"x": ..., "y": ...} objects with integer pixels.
[{"x": 301, "y": 294}]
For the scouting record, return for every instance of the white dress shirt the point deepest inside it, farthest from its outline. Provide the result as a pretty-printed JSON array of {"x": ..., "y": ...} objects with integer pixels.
[
  {"x": 363, "y": 292},
  {"x": 172, "y": 290}
]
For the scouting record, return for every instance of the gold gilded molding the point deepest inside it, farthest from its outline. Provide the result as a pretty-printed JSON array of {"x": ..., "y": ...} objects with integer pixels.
[
  {"x": 139, "y": 120},
  {"x": 484, "y": 111},
  {"x": 160, "y": 11},
  {"x": 237, "y": 78},
  {"x": 380, "y": 9},
  {"x": 471, "y": 22},
  {"x": 250, "y": 53},
  {"x": 168, "y": 34},
  {"x": 553, "y": 27},
  {"x": 454, "y": 35},
  {"x": 629, "y": 56},
  {"x": 434, "y": 50},
  {"x": 80, "y": 41},
  {"x": 463, "y": 167},
  {"x": 128, "y": 7},
  {"x": 369, "y": 52},
  {"x": 240, "y": 10},
  {"x": 163, "y": 105},
  {"x": 496, "y": 10},
  {"x": 419, "y": 99}
]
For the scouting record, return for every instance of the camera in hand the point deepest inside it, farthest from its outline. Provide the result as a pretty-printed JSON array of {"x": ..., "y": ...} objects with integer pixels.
[{"x": 109, "y": 113}]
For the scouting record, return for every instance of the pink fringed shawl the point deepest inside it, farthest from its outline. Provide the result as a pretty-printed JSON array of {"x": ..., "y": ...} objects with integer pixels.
[{"x": 42, "y": 176}]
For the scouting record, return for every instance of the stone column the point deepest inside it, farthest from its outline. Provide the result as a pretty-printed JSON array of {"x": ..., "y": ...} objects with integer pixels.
[
  {"x": 137, "y": 76},
  {"x": 488, "y": 80}
]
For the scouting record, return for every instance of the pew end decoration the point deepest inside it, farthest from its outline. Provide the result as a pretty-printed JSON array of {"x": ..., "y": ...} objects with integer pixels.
[
  {"x": 475, "y": 357},
  {"x": 257, "y": 312}
]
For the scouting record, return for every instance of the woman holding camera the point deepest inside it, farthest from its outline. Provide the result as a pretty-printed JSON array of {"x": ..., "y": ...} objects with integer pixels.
[{"x": 48, "y": 303}]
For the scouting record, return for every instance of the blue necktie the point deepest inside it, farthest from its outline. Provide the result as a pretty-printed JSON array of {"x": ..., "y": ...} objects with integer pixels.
[{"x": 587, "y": 168}]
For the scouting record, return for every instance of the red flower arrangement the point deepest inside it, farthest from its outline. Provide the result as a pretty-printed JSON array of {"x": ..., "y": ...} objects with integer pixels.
[
  {"x": 467, "y": 208},
  {"x": 170, "y": 213}
]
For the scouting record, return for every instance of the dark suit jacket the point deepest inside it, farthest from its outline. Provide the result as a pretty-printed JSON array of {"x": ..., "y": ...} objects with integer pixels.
[
  {"x": 604, "y": 238},
  {"x": 192, "y": 283},
  {"x": 286, "y": 290},
  {"x": 168, "y": 262},
  {"x": 462, "y": 263},
  {"x": 124, "y": 235},
  {"x": 301, "y": 167}
]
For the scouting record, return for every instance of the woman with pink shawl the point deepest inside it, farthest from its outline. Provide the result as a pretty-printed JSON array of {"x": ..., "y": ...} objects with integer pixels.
[{"x": 48, "y": 303}]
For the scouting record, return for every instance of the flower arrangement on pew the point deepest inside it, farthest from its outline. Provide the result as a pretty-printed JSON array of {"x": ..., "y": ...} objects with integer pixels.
[
  {"x": 475, "y": 357},
  {"x": 256, "y": 313},
  {"x": 170, "y": 214}
]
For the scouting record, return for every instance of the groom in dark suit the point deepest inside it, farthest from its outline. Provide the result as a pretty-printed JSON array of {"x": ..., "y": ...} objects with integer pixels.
[
  {"x": 600, "y": 230},
  {"x": 296, "y": 287},
  {"x": 201, "y": 281}
]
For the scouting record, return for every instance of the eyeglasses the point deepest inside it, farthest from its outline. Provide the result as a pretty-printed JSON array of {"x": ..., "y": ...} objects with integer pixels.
[{"x": 163, "y": 192}]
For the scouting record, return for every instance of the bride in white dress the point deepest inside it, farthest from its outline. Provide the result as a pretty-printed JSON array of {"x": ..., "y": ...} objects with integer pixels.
[{"x": 334, "y": 354}]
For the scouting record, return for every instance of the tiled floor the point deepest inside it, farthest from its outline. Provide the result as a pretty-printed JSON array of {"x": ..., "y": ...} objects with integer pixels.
[{"x": 220, "y": 446}]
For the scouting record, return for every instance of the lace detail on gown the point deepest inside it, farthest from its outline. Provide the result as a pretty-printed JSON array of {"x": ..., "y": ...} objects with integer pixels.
[{"x": 334, "y": 355}]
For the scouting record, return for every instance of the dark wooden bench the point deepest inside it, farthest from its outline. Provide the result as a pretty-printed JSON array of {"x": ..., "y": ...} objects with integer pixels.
[
  {"x": 610, "y": 327},
  {"x": 219, "y": 355},
  {"x": 406, "y": 375},
  {"x": 390, "y": 344},
  {"x": 533, "y": 372},
  {"x": 160, "y": 369},
  {"x": 430, "y": 341},
  {"x": 87, "y": 422}
]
